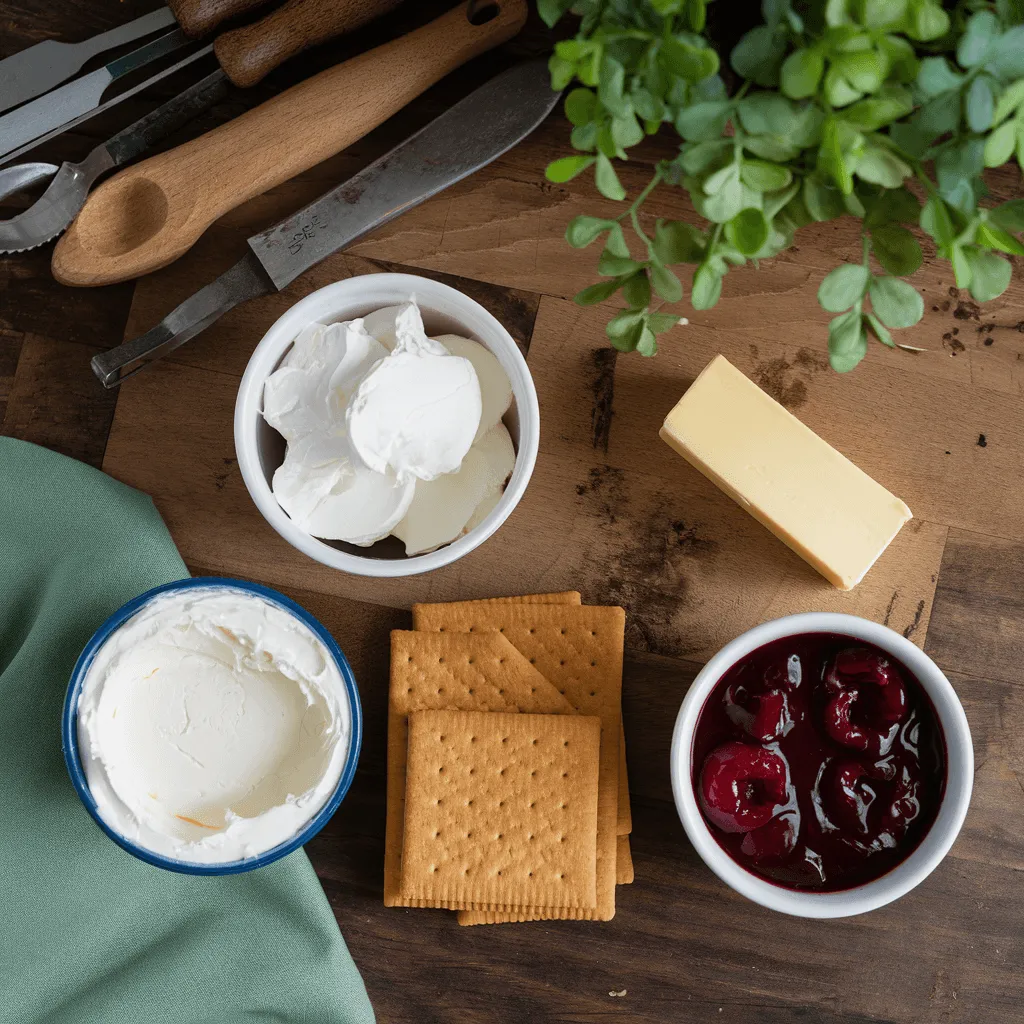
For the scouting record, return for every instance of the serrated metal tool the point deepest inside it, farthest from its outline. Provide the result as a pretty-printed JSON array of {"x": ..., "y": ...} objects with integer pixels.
[
  {"x": 58, "y": 206},
  {"x": 470, "y": 135}
]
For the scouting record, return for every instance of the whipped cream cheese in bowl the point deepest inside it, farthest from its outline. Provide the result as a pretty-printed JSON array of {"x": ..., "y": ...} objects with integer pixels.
[
  {"x": 386, "y": 425},
  {"x": 211, "y": 726}
]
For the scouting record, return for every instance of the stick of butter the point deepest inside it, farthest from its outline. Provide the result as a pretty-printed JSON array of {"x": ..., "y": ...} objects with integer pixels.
[{"x": 810, "y": 496}]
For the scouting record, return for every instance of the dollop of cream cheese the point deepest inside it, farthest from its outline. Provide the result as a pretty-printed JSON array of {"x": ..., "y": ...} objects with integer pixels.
[
  {"x": 212, "y": 726},
  {"x": 389, "y": 431}
]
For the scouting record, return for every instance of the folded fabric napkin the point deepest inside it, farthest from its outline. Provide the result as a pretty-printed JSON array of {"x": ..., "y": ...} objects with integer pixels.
[{"x": 88, "y": 932}]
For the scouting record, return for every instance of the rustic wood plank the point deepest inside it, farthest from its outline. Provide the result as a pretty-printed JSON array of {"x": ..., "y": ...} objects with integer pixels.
[{"x": 55, "y": 401}]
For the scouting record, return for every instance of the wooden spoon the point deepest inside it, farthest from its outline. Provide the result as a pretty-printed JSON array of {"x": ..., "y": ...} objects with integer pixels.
[{"x": 148, "y": 215}]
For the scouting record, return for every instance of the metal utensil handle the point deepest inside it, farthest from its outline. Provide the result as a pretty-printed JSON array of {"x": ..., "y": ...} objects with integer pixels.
[
  {"x": 138, "y": 137},
  {"x": 245, "y": 280}
]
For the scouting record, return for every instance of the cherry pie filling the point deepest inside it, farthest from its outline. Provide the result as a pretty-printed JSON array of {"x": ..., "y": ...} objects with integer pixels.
[{"x": 819, "y": 762}]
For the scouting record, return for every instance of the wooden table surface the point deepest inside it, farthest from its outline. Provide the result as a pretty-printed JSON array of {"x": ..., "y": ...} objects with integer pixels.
[{"x": 946, "y": 424}]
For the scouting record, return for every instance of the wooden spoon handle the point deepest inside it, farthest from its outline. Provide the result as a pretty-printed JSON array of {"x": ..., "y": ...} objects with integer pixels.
[
  {"x": 197, "y": 17},
  {"x": 249, "y": 53},
  {"x": 149, "y": 214}
]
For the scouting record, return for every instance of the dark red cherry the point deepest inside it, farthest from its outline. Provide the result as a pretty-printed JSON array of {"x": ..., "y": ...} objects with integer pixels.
[
  {"x": 742, "y": 786},
  {"x": 764, "y": 716},
  {"x": 883, "y": 695},
  {"x": 773, "y": 843},
  {"x": 852, "y": 795}
]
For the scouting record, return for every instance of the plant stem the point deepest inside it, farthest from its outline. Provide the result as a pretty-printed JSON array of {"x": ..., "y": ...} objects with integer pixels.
[{"x": 638, "y": 202}]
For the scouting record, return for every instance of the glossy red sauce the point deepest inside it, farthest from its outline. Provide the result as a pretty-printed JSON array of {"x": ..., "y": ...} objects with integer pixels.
[{"x": 819, "y": 762}]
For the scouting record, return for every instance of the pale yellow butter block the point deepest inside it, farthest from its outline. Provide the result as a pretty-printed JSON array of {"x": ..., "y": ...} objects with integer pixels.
[{"x": 810, "y": 496}]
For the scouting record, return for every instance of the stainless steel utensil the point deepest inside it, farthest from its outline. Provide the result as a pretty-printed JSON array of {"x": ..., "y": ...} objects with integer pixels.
[
  {"x": 59, "y": 204},
  {"x": 474, "y": 132},
  {"x": 39, "y": 68}
]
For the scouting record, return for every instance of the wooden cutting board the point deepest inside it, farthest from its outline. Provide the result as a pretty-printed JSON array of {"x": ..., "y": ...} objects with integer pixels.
[{"x": 611, "y": 510}]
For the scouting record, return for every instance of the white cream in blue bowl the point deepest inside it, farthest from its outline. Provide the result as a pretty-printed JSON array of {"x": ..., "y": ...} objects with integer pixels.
[{"x": 212, "y": 726}]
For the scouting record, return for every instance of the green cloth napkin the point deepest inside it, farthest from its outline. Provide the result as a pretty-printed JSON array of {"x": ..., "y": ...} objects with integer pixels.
[{"x": 88, "y": 932}]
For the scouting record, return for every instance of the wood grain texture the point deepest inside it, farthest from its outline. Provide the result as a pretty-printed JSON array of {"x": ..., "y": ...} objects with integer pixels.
[
  {"x": 249, "y": 53},
  {"x": 682, "y": 946},
  {"x": 147, "y": 215},
  {"x": 197, "y": 17}
]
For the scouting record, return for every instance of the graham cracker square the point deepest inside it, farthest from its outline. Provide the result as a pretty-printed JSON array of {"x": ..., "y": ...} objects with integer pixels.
[
  {"x": 580, "y": 650},
  {"x": 450, "y": 671},
  {"x": 502, "y": 809}
]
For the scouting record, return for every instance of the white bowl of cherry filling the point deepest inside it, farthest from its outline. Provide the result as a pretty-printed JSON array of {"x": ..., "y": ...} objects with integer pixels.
[
  {"x": 386, "y": 425},
  {"x": 822, "y": 765}
]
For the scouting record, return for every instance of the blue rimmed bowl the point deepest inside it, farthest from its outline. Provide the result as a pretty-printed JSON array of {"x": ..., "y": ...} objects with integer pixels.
[{"x": 69, "y": 726}]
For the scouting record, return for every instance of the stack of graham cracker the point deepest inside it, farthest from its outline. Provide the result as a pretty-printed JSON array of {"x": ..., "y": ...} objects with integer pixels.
[{"x": 507, "y": 791}]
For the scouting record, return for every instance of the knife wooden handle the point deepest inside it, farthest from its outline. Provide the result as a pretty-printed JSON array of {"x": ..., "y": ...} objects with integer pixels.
[
  {"x": 197, "y": 17},
  {"x": 149, "y": 214},
  {"x": 249, "y": 53}
]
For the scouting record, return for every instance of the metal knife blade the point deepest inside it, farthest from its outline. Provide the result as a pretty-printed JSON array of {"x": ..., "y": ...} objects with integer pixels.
[
  {"x": 6, "y": 158},
  {"x": 37, "y": 69},
  {"x": 61, "y": 106},
  {"x": 58, "y": 206},
  {"x": 470, "y": 135}
]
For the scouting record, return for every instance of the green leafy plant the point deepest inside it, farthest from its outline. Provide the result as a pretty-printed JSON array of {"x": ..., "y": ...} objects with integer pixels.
[{"x": 884, "y": 110}]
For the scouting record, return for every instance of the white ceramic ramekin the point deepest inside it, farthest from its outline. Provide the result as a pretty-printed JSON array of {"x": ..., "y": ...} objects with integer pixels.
[
  {"x": 935, "y": 845},
  {"x": 260, "y": 449}
]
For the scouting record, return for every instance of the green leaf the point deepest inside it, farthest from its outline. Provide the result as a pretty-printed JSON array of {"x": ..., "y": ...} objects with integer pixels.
[
  {"x": 896, "y": 303},
  {"x": 662, "y": 322},
  {"x": 840, "y": 150},
  {"x": 990, "y": 275},
  {"x": 879, "y": 13},
  {"x": 1006, "y": 58},
  {"x": 958, "y": 169},
  {"x": 723, "y": 178},
  {"x": 771, "y": 147},
  {"x": 776, "y": 201},
  {"x": 606, "y": 179},
  {"x": 675, "y": 241},
  {"x": 702, "y": 122},
  {"x": 616, "y": 243},
  {"x": 863, "y": 69},
  {"x": 747, "y": 231},
  {"x": 567, "y": 168},
  {"x": 625, "y": 323},
  {"x": 979, "y": 105},
  {"x": 647, "y": 344},
  {"x": 999, "y": 146},
  {"x": 610, "y": 265},
  {"x": 822, "y": 198},
  {"x": 763, "y": 176},
  {"x": 581, "y": 106},
  {"x": 935, "y": 220},
  {"x": 1009, "y": 102},
  {"x": 637, "y": 291},
  {"x": 897, "y": 205},
  {"x": 882, "y": 167},
  {"x": 707, "y": 287},
  {"x": 584, "y": 230},
  {"x": 843, "y": 287},
  {"x": 961, "y": 266},
  {"x": 698, "y": 158},
  {"x": 626, "y": 131},
  {"x": 801, "y": 73},
  {"x": 562, "y": 72},
  {"x": 896, "y": 248},
  {"x": 767, "y": 113},
  {"x": 935, "y": 76},
  {"x": 597, "y": 293},
  {"x": 584, "y": 137},
  {"x": 879, "y": 329},
  {"x": 847, "y": 343},
  {"x": 888, "y": 106},
  {"x": 610, "y": 84},
  {"x": 926, "y": 20},
  {"x": 993, "y": 237},
  {"x": 666, "y": 284},
  {"x": 552, "y": 10},
  {"x": 757, "y": 56},
  {"x": 1009, "y": 215},
  {"x": 982, "y": 30},
  {"x": 648, "y": 106},
  {"x": 691, "y": 63},
  {"x": 726, "y": 202}
]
